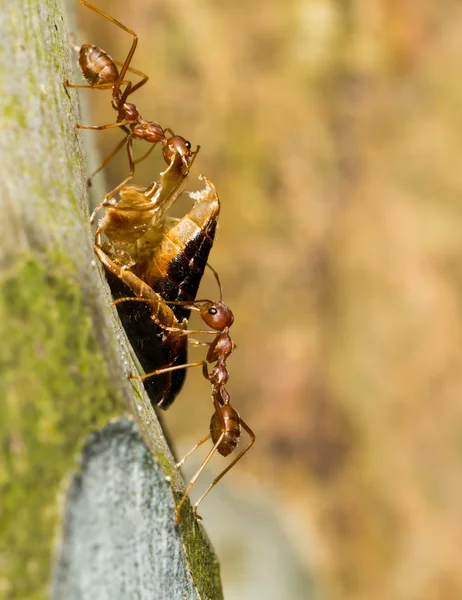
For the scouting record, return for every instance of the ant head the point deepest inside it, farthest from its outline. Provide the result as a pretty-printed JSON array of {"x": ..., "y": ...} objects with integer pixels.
[
  {"x": 176, "y": 145},
  {"x": 216, "y": 315},
  {"x": 177, "y": 149}
]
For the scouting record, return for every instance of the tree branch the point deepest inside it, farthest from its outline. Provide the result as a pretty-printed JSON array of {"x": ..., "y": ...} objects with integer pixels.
[{"x": 63, "y": 360}]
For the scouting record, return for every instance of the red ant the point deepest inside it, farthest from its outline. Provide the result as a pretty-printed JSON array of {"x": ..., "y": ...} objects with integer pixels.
[
  {"x": 225, "y": 424},
  {"x": 101, "y": 72}
]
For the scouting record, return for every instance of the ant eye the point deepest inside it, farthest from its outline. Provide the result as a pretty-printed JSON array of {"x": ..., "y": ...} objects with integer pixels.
[
  {"x": 212, "y": 310},
  {"x": 188, "y": 145}
]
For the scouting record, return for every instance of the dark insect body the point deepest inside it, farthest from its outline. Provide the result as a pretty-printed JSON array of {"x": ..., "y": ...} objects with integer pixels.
[
  {"x": 101, "y": 72},
  {"x": 144, "y": 325},
  {"x": 167, "y": 259}
]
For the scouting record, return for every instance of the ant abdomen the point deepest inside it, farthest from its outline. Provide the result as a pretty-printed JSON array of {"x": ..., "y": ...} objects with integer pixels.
[
  {"x": 96, "y": 65},
  {"x": 227, "y": 423}
]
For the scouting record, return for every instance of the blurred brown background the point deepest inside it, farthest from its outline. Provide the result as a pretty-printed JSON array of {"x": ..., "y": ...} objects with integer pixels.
[{"x": 332, "y": 131}]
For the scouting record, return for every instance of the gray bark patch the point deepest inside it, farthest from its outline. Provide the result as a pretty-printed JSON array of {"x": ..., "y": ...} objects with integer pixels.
[{"x": 119, "y": 539}]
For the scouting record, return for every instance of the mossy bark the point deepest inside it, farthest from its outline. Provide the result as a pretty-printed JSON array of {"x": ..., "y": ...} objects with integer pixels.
[{"x": 63, "y": 356}]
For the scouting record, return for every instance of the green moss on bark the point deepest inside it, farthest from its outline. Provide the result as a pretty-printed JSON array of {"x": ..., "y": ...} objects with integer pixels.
[{"x": 54, "y": 389}]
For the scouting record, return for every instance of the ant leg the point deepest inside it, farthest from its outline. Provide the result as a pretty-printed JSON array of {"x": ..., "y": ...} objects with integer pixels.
[
  {"x": 217, "y": 278},
  {"x": 102, "y": 127},
  {"x": 194, "y": 478},
  {"x": 188, "y": 454},
  {"x": 93, "y": 215},
  {"x": 137, "y": 86},
  {"x": 131, "y": 299},
  {"x": 144, "y": 77},
  {"x": 230, "y": 466},
  {"x": 120, "y": 101},
  {"x": 190, "y": 331},
  {"x": 137, "y": 285},
  {"x": 170, "y": 369},
  {"x": 94, "y": 86},
  {"x": 132, "y": 88},
  {"x": 186, "y": 303},
  {"x": 198, "y": 343},
  {"x": 131, "y": 163},
  {"x": 131, "y": 52},
  {"x": 108, "y": 158},
  {"x": 145, "y": 155}
]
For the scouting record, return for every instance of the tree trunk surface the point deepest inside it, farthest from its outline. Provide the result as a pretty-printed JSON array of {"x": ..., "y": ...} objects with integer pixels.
[{"x": 107, "y": 515}]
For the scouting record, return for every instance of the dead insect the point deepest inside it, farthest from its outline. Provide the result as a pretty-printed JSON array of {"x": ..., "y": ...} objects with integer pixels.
[
  {"x": 168, "y": 259},
  {"x": 101, "y": 72}
]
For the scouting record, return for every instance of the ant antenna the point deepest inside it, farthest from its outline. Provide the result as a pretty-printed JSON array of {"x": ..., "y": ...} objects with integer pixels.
[{"x": 217, "y": 279}]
